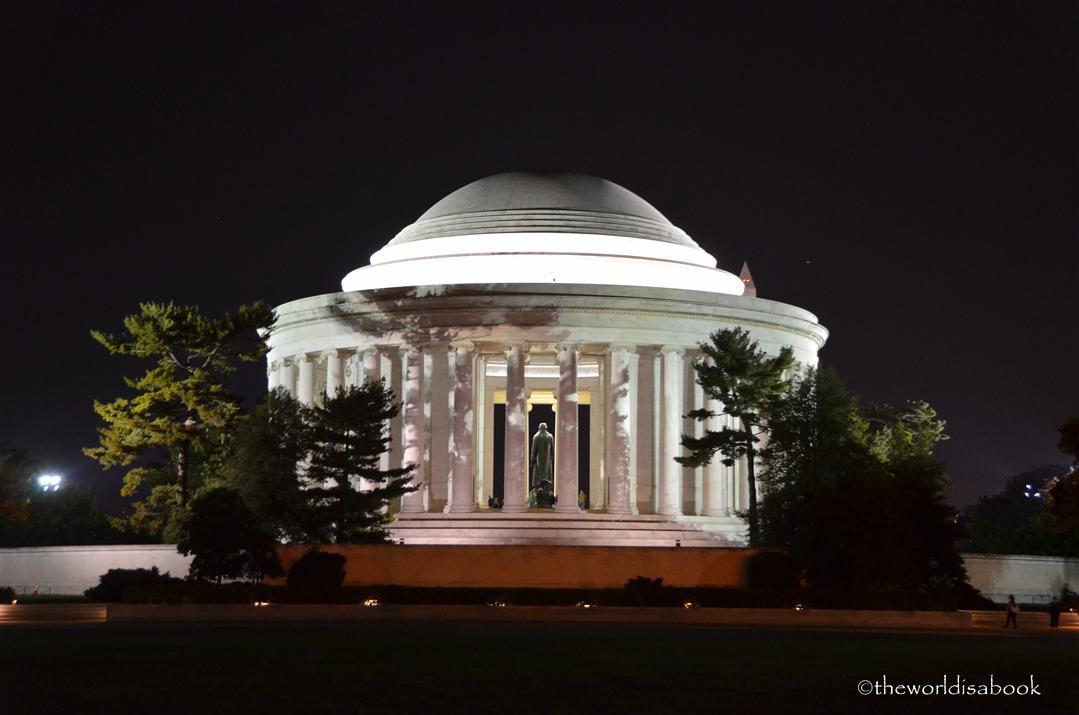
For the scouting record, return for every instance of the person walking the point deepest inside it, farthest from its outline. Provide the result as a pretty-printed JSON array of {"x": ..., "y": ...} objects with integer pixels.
[
  {"x": 1012, "y": 610},
  {"x": 1054, "y": 613}
]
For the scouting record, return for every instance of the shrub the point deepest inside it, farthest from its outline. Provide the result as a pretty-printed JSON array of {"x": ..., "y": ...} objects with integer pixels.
[
  {"x": 771, "y": 570},
  {"x": 7, "y": 594},
  {"x": 647, "y": 591},
  {"x": 317, "y": 568},
  {"x": 133, "y": 585}
]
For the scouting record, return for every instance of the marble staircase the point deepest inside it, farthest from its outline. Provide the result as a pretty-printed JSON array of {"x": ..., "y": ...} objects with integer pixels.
[{"x": 543, "y": 527}]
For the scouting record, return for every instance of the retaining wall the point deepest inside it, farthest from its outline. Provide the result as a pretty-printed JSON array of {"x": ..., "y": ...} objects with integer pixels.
[
  {"x": 71, "y": 570},
  {"x": 533, "y": 566},
  {"x": 1031, "y": 579}
]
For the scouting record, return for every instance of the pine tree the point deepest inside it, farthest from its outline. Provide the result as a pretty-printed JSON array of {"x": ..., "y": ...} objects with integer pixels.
[
  {"x": 266, "y": 461},
  {"x": 744, "y": 379},
  {"x": 347, "y": 437},
  {"x": 179, "y": 419}
]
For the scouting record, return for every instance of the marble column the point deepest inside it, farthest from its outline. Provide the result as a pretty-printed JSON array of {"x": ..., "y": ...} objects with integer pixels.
[
  {"x": 698, "y": 427},
  {"x": 462, "y": 477},
  {"x": 306, "y": 389},
  {"x": 621, "y": 428},
  {"x": 670, "y": 471},
  {"x": 335, "y": 371},
  {"x": 273, "y": 376},
  {"x": 567, "y": 435},
  {"x": 440, "y": 388},
  {"x": 483, "y": 452},
  {"x": 715, "y": 474},
  {"x": 412, "y": 429},
  {"x": 288, "y": 375},
  {"x": 515, "y": 471}
]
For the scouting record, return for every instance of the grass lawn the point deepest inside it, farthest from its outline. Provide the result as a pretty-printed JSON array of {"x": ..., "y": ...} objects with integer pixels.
[{"x": 513, "y": 668}]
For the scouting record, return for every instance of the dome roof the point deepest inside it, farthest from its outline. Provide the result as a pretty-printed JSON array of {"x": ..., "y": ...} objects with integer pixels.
[
  {"x": 529, "y": 227},
  {"x": 521, "y": 201}
]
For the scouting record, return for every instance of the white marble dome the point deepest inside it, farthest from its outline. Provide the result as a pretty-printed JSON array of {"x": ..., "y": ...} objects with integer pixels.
[{"x": 529, "y": 227}]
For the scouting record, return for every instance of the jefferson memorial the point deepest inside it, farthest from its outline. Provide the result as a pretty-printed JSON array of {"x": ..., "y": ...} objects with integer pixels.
[{"x": 529, "y": 299}]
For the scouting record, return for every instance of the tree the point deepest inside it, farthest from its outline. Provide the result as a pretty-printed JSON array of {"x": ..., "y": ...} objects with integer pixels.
[
  {"x": 68, "y": 517},
  {"x": 1020, "y": 518},
  {"x": 265, "y": 464},
  {"x": 347, "y": 437},
  {"x": 1069, "y": 439},
  {"x": 744, "y": 379},
  {"x": 16, "y": 483},
  {"x": 1063, "y": 495},
  {"x": 856, "y": 494},
  {"x": 227, "y": 539},
  {"x": 816, "y": 436},
  {"x": 179, "y": 420}
]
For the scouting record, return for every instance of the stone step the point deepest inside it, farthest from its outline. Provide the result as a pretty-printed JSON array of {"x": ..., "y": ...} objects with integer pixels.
[
  {"x": 458, "y": 540},
  {"x": 548, "y": 528},
  {"x": 545, "y": 531},
  {"x": 403, "y": 525}
]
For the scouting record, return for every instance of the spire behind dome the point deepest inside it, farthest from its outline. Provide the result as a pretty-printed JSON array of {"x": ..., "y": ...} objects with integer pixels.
[{"x": 747, "y": 280}]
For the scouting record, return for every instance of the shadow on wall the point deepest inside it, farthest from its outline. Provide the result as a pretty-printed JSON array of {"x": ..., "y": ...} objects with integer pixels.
[{"x": 401, "y": 311}]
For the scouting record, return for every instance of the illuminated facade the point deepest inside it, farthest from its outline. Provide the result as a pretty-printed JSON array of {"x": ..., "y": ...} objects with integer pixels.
[{"x": 526, "y": 298}]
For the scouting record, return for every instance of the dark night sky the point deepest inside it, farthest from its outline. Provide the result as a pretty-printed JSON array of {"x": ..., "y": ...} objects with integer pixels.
[{"x": 906, "y": 171}]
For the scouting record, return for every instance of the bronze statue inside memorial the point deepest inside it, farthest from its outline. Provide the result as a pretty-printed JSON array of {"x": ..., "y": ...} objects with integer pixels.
[{"x": 542, "y": 467}]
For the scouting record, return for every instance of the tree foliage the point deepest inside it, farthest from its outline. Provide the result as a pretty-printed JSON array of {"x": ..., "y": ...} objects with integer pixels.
[
  {"x": 227, "y": 539},
  {"x": 1069, "y": 439},
  {"x": 1063, "y": 495},
  {"x": 265, "y": 464},
  {"x": 1018, "y": 519},
  {"x": 176, "y": 425},
  {"x": 745, "y": 380},
  {"x": 16, "y": 483},
  {"x": 32, "y": 517},
  {"x": 857, "y": 495},
  {"x": 347, "y": 436}
]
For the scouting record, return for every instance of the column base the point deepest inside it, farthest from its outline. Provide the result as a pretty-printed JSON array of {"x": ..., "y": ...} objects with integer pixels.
[
  {"x": 514, "y": 508},
  {"x": 468, "y": 509}
]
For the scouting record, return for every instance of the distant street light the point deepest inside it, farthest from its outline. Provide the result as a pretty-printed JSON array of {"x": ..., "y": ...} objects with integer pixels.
[{"x": 49, "y": 482}]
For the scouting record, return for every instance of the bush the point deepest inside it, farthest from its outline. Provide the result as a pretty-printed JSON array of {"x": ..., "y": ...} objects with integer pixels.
[
  {"x": 134, "y": 585},
  {"x": 771, "y": 570},
  {"x": 7, "y": 594},
  {"x": 647, "y": 591},
  {"x": 316, "y": 568}
]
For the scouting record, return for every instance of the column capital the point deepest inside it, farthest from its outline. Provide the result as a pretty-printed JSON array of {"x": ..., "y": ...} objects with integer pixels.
[
  {"x": 673, "y": 350},
  {"x": 463, "y": 346},
  {"x": 311, "y": 357},
  {"x": 563, "y": 347},
  {"x": 523, "y": 346},
  {"x": 622, "y": 348},
  {"x": 342, "y": 353}
]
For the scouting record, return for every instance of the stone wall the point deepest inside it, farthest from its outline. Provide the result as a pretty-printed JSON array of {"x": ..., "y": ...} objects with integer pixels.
[
  {"x": 73, "y": 569},
  {"x": 534, "y": 566},
  {"x": 1031, "y": 579}
]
